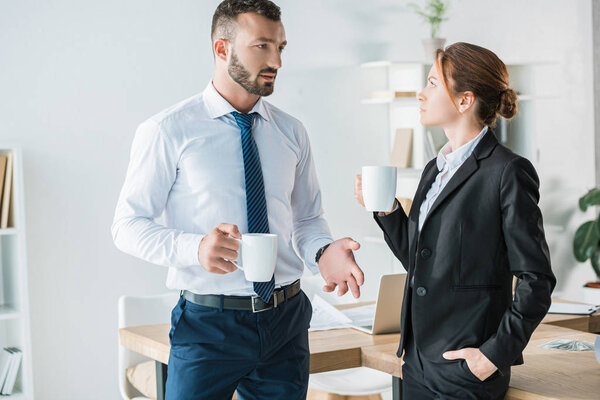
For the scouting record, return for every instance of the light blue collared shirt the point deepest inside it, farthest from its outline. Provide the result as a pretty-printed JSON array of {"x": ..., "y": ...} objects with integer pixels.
[
  {"x": 448, "y": 162},
  {"x": 187, "y": 162}
]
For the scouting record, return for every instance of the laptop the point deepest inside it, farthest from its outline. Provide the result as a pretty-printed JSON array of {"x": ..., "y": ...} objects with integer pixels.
[{"x": 387, "y": 308}]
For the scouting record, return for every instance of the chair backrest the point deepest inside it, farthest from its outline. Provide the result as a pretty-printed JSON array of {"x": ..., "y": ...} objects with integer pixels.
[
  {"x": 313, "y": 284},
  {"x": 140, "y": 310}
]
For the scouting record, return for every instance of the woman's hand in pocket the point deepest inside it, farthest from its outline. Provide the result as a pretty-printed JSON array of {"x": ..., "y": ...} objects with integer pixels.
[
  {"x": 358, "y": 194},
  {"x": 478, "y": 363}
]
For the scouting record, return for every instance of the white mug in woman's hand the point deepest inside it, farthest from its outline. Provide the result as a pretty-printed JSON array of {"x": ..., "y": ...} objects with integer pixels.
[
  {"x": 257, "y": 256},
  {"x": 379, "y": 187}
]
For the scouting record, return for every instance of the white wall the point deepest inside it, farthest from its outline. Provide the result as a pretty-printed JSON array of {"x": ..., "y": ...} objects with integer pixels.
[{"x": 77, "y": 77}]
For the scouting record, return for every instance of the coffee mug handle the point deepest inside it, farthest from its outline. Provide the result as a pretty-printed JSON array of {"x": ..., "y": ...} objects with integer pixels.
[{"x": 237, "y": 262}]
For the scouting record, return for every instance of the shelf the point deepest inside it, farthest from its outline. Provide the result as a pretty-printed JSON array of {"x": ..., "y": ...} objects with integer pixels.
[
  {"x": 554, "y": 228},
  {"x": 411, "y": 101},
  {"x": 9, "y": 312},
  {"x": 530, "y": 63},
  {"x": 407, "y": 100},
  {"x": 409, "y": 172},
  {"x": 386, "y": 63},
  {"x": 15, "y": 396},
  {"x": 373, "y": 239},
  {"x": 14, "y": 301},
  {"x": 376, "y": 64},
  {"x": 508, "y": 63},
  {"x": 525, "y": 97}
]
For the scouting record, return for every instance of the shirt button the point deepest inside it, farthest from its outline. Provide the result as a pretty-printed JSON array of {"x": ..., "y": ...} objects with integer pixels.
[
  {"x": 421, "y": 291},
  {"x": 425, "y": 253}
]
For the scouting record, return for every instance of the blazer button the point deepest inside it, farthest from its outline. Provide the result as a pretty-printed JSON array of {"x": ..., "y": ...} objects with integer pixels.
[
  {"x": 421, "y": 291},
  {"x": 425, "y": 253}
]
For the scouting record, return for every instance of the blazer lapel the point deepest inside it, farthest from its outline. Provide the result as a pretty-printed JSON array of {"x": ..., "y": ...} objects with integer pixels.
[
  {"x": 413, "y": 218},
  {"x": 482, "y": 150},
  {"x": 424, "y": 185},
  {"x": 463, "y": 173}
]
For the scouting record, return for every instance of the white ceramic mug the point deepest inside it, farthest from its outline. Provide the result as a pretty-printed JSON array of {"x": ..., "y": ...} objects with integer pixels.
[
  {"x": 257, "y": 256},
  {"x": 379, "y": 187}
]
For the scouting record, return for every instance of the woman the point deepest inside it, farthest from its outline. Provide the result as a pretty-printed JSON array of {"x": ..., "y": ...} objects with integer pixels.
[{"x": 473, "y": 224}]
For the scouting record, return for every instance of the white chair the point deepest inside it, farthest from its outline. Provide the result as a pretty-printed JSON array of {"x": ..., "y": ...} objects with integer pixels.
[
  {"x": 362, "y": 381},
  {"x": 352, "y": 383},
  {"x": 140, "y": 310}
]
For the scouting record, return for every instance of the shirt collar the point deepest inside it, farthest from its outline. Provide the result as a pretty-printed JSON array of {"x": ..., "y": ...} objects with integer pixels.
[
  {"x": 458, "y": 156},
  {"x": 217, "y": 106}
]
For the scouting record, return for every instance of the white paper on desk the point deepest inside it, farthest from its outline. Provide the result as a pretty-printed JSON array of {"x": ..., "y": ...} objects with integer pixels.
[
  {"x": 361, "y": 316},
  {"x": 578, "y": 309},
  {"x": 325, "y": 316}
]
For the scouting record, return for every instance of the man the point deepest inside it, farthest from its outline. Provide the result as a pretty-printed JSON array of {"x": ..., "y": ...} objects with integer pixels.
[{"x": 220, "y": 163}]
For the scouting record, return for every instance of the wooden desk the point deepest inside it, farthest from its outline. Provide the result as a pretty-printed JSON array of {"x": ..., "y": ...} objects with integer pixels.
[
  {"x": 584, "y": 323},
  {"x": 547, "y": 374},
  {"x": 329, "y": 350}
]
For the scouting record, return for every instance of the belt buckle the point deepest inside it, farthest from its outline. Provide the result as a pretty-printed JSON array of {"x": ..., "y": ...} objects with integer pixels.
[{"x": 254, "y": 310}]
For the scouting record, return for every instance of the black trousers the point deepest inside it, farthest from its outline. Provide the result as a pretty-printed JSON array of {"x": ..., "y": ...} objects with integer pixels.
[{"x": 423, "y": 379}]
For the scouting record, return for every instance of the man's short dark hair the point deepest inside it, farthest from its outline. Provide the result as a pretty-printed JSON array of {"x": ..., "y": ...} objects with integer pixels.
[{"x": 228, "y": 10}]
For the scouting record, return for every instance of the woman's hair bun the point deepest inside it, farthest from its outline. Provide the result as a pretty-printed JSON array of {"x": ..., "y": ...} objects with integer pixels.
[{"x": 507, "y": 107}]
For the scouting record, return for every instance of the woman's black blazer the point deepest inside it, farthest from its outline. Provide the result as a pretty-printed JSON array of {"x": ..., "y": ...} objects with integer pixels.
[{"x": 484, "y": 227}]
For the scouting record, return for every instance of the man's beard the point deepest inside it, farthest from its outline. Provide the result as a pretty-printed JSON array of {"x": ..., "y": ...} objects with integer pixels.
[{"x": 241, "y": 76}]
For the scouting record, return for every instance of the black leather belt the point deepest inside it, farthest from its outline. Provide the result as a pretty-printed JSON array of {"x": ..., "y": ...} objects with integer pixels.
[{"x": 248, "y": 303}]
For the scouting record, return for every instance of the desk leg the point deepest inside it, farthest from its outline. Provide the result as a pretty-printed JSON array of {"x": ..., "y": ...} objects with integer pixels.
[
  {"x": 396, "y": 388},
  {"x": 161, "y": 380}
]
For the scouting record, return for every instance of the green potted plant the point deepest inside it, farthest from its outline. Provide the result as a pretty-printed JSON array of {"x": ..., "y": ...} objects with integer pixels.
[
  {"x": 433, "y": 12},
  {"x": 586, "y": 245}
]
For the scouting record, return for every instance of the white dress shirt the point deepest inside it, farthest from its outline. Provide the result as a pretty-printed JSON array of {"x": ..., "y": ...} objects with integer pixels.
[
  {"x": 187, "y": 162},
  {"x": 448, "y": 162}
]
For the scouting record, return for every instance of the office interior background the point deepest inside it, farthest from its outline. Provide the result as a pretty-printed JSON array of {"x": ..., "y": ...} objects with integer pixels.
[{"x": 77, "y": 77}]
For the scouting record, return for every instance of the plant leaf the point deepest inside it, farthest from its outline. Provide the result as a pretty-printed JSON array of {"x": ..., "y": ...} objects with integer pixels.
[
  {"x": 433, "y": 13},
  {"x": 591, "y": 198},
  {"x": 585, "y": 241},
  {"x": 596, "y": 261}
]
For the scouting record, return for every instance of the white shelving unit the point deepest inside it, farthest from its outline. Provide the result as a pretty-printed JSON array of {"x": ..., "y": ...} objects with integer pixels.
[
  {"x": 14, "y": 302},
  {"x": 410, "y": 76},
  {"x": 528, "y": 79}
]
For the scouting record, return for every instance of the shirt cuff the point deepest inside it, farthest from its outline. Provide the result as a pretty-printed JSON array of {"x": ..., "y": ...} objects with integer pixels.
[
  {"x": 187, "y": 248},
  {"x": 311, "y": 253}
]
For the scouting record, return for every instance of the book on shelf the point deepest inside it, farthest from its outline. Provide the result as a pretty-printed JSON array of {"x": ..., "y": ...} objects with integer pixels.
[
  {"x": 392, "y": 94},
  {"x": 430, "y": 145},
  {"x": 10, "y": 361},
  {"x": 5, "y": 206},
  {"x": 406, "y": 204},
  {"x": 5, "y": 358},
  {"x": 3, "y": 160},
  {"x": 402, "y": 150}
]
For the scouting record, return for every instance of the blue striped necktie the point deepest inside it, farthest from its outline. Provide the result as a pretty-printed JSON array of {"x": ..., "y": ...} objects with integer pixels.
[{"x": 256, "y": 204}]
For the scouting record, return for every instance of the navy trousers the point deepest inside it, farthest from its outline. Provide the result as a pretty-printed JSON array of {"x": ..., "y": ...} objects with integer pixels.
[{"x": 264, "y": 355}]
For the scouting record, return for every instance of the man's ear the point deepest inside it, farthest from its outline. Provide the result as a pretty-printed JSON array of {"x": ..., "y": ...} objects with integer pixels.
[
  {"x": 221, "y": 48},
  {"x": 465, "y": 101}
]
